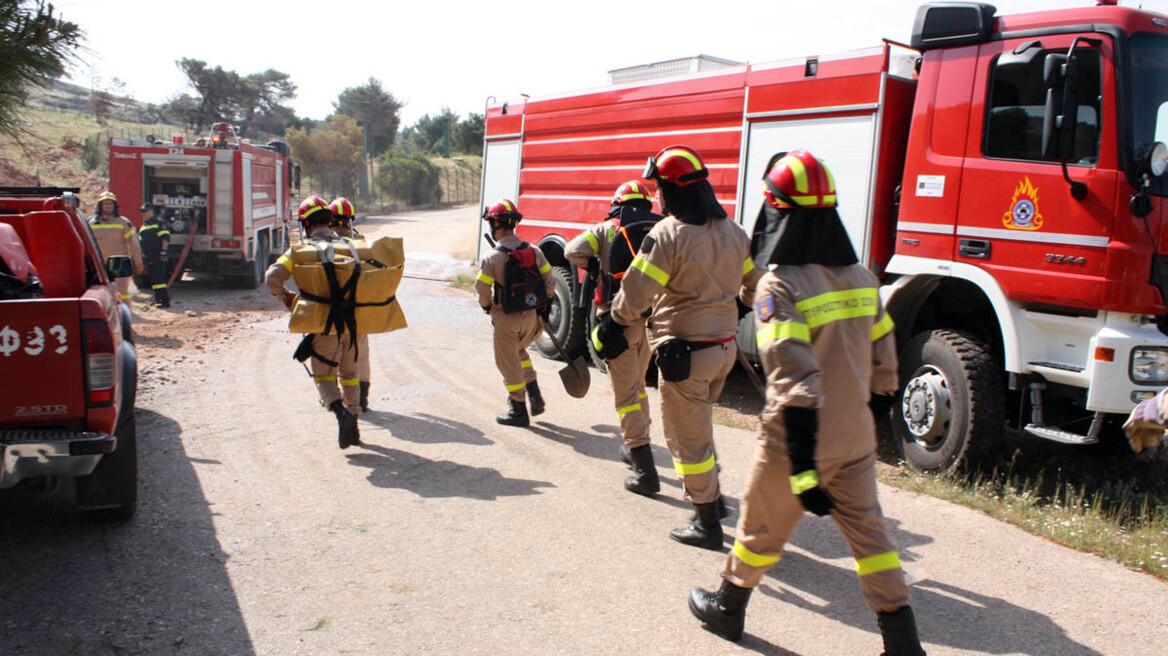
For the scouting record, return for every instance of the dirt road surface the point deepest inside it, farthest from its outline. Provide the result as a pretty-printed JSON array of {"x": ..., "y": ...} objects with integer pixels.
[{"x": 447, "y": 534}]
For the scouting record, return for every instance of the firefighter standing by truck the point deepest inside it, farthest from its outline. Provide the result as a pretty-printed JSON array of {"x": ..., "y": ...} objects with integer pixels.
[
  {"x": 630, "y": 216},
  {"x": 344, "y": 214},
  {"x": 115, "y": 235},
  {"x": 333, "y": 354},
  {"x": 688, "y": 272},
  {"x": 829, "y": 351},
  {"x": 514, "y": 285},
  {"x": 154, "y": 239}
]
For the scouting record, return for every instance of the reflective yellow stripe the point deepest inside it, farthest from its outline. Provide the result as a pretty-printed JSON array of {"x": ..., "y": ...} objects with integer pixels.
[
  {"x": 806, "y": 200},
  {"x": 693, "y": 160},
  {"x": 484, "y": 278},
  {"x": 592, "y": 241},
  {"x": 643, "y": 395},
  {"x": 106, "y": 226},
  {"x": 324, "y": 379},
  {"x": 693, "y": 470},
  {"x": 799, "y": 171},
  {"x": 747, "y": 266},
  {"x": 163, "y": 233},
  {"x": 646, "y": 267},
  {"x": 286, "y": 262},
  {"x": 621, "y": 412},
  {"x": 161, "y": 286},
  {"x": 882, "y": 327},
  {"x": 350, "y": 382},
  {"x": 750, "y": 558},
  {"x": 148, "y": 228},
  {"x": 596, "y": 343},
  {"x": 545, "y": 268},
  {"x": 878, "y": 563},
  {"x": 632, "y": 196},
  {"x": 835, "y": 306},
  {"x": 782, "y": 330},
  {"x": 129, "y": 233},
  {"x": 516, "y": 387},
  {"x": 804, "y": 481},
  {"x": 830, "y": 183},
  {"x": 526, "y": 364},
  {"x": 124, "y": 297}
]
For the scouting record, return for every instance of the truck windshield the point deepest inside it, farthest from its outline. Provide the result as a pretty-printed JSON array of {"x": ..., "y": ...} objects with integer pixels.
[{"x": 1149, "y": 84}]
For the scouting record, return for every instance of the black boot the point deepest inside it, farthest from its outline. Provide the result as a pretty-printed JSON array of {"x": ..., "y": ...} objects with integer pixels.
[
  {"x": 516, "y": 414},
  {"x": 723, "y": 511},
  {"x": 536, "y": 398},
  {"x": 364, "y": 395},
  {"x": 705, "y": 531},
  {"x": 644, "y": 479},
  {"x": 347, "y": 431},
  {"x": 899, "y": 629},
  {"x": 625, "y": 456},
  {"x": 722, "y": 612}
]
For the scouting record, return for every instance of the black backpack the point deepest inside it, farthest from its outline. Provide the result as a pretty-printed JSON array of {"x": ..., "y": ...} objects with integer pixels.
[
  {"x": 635, "y": 225},
  {"x": 522, "y": 288}
]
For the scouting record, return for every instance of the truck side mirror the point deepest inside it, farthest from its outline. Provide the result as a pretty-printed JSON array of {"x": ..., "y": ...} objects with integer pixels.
[
  {"x": 1062, "y": 106},
  {"x": 119, "y": 266}
]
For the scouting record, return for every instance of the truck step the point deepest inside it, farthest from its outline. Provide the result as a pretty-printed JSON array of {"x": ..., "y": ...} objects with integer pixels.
[{"x": 1056, "y": 435}]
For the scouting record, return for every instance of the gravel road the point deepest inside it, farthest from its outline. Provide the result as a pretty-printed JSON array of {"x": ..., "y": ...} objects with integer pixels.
[{"x": 447, "y": 534}]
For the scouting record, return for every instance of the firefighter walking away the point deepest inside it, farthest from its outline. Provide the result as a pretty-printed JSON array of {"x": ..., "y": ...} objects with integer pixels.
[
  {"x": 830, "y": 355},
  {"x": 344, "y": 214},
  {"x": 514, "y": 286}
]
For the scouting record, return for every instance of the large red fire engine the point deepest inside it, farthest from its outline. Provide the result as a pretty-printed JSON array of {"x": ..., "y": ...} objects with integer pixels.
[
  {"x": 230, "y": 199},
  {"x": 1003, "y": 177}
]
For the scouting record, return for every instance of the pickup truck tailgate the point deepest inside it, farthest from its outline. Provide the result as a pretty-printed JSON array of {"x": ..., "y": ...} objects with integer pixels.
[{"x": 41, "y": 365}]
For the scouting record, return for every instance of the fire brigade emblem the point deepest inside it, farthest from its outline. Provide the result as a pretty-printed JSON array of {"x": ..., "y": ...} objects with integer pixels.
[
  {"x": 765, "y": 309},
  {"x": 531, "y": 300},
  {"x": 1023, "y": 213}
]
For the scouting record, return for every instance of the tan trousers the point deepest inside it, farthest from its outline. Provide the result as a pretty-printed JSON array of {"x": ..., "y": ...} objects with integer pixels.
[
  {"x": 364, "y": 371},
  {"x": 770, "y": 513},
  {"x": 338, "y": 382},
  {"x": 627, "y": 372},
  {"x": 123, "y": 287},
  {"x": 687, "y": 411},
  {"x": 513, "y": 334}
]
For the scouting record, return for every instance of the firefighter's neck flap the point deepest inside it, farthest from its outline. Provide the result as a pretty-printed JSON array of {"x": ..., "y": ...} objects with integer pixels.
[
  {"x": 799, "y": 235},
  {"x": 694, "y": 203}
]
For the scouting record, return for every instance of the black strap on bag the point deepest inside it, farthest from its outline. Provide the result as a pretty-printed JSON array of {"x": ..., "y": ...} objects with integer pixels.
[
  {"x": 522, "y": 287},
  {"x": 635, "y": 225}
]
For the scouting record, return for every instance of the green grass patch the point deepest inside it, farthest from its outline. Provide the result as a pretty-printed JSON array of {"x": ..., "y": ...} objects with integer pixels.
[
  {"x": 321, "y": 623},
  {"x": 462, "y": 281}
]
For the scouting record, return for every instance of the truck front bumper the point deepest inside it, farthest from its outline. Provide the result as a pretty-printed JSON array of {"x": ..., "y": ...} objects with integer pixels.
[{"x": 35, "y": 453}]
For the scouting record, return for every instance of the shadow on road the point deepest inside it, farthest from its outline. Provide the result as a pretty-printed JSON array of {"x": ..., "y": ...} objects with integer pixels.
[
  {"x": 156, "y": 584},
  {"x": 422, "y": 428},
  {"x": 391, "y": 468}
]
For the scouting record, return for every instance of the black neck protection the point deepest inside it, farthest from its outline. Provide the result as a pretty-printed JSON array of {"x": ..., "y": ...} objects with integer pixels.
[
  {"x": 637, "y": 204},
  {"x": 628, "y": 214},
  {"x": 694, "y": 204},
  {"x": 801, "y": 236}
]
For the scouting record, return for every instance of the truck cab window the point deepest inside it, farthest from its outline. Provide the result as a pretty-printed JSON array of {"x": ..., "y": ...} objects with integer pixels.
[{"x": 1016, "y": 103}]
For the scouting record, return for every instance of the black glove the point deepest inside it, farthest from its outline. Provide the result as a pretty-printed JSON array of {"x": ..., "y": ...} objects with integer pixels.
[
  {"x": 486, "y": 309},
  {"x": 802, "y": 431},
  {"x": 594, "y": 268},
  {"x": 608, "y": 338},
  {"x": 881, "y": 404},
  {"x": 743, "y": 308}
]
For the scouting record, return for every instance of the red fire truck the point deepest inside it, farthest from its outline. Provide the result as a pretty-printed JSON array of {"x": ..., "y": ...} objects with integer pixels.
[
  {"x": 231, "y": 199},
  {"x": 1003, "y": 175}
]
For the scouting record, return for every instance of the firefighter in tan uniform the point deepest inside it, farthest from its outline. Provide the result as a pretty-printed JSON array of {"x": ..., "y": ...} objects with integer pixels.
[
  {"x": 518, "y": 305},
  {"x": 115, "y": 235},
  {"x": 830, "y": 354},
  {"x": 333, "y": 356},
  {"x": 344, "y": 214},
  {"x": 631, "y": 205},
  {"x": 689, "y": 270}
]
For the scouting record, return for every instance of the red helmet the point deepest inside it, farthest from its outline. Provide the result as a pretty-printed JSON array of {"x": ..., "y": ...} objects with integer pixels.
[
  {"x": 310, "y": 207},
  {"x": 631, "y": 190},
  {"x": 503, "y": 211},
  {"x": 342, "y": 208},
  {"x": 797, "y": 178},
  {"x": 679, "y": 165}
]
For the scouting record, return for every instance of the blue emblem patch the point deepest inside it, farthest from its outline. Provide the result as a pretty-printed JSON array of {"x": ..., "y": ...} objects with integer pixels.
[{"x": 765, "y": 309}]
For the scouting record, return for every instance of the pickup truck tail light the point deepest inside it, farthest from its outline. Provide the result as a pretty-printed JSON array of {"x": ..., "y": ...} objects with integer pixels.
[{"x": 100, "y": 366}]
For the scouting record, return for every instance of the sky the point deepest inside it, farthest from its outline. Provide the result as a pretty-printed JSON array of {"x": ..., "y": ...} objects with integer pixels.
[{"x": 456, "y": 53}]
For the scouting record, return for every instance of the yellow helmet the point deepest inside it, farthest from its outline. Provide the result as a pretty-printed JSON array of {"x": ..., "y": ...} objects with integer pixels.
[{"x": 107, "y": 195}]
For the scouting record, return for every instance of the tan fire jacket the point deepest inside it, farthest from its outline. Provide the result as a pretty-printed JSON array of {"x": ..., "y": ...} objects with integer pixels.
[
  {"x": 491, "y": 273},
  {"x": 827, "y": 343},
  {"x": 281, "y": 270},
  {"x": 593, "y": 242},
  {"x": 689, "y": 275},
  {"x": 115, "y": 235}
]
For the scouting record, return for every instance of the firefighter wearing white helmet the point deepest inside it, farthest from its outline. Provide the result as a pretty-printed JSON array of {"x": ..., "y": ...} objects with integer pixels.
[
  {"x": 606, "y": 250},
  {"x": 829, "y": 351},
  {"x": 344, "y": 215},
  {"x": 514, "y": 286},
  {"x": 688, "y": 272},
  {"x": 115, "y": 235},
  {"x": 333, "y": 356}
]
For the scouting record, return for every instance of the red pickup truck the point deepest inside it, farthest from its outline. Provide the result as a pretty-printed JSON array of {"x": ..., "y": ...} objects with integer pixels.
[{"x": 68, "y": 368}]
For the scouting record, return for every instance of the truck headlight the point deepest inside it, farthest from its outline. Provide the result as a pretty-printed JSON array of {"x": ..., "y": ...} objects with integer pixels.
[{"x": 1149, "y": 365}]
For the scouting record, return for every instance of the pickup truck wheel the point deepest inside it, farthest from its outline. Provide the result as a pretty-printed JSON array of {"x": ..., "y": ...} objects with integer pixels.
[
  {"x": 570, "y": 333},
  {"x": 110, "y": 493},
  {"x": 951, "y": 404}
]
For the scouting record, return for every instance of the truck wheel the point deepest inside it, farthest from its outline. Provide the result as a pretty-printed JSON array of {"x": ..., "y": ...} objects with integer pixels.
[
  {"x": 560, "y": 320},
  {"x": 259, "y": 266},
  {"x": 110, "y": 493},
  {"x": 593, "y": 321},
  {"x": 952, "y": 404}
]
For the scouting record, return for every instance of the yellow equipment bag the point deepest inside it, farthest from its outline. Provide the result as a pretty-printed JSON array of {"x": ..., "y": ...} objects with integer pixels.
[{"x": 334, "y": 301}]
